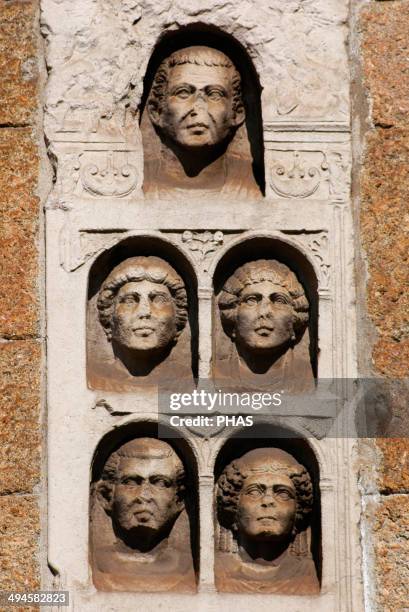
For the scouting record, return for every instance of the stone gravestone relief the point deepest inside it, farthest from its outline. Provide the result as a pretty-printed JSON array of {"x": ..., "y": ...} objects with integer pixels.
[
  {"x": 264, "y": 311},
  {"x": 142, "y": 308},
  {"x": 264, "y": 504},
  {"x": 140, "y": 534},
  {"x": 193, "y": 128}
]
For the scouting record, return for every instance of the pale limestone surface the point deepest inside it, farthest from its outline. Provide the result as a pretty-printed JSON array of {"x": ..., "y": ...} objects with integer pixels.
[{"x": 97, "y": 53}]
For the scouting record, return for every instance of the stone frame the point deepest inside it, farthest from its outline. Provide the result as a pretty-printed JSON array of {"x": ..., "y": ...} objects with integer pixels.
[{"x": 82, "y": 221}]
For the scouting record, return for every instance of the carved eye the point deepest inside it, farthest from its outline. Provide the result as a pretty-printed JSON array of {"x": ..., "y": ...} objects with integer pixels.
[
  {"x": 251, "y": 300},
  {"x": 215, "y": 94},
  {"x": 161, "y": 482},
  {"x": 182, "y": 92},
  {"x": 254, "y": 492},
  {"x": 159, "y": 299},
  {"x": 284, "y": 494},
  {"x": 130, "y": 481},
  {"x": 278, "y": 298},
  {"x": 129, "y": 299}
]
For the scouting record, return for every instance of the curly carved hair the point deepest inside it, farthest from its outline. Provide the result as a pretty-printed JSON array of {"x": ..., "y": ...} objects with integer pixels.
[
  {"x": 137, "y": 269},
  {"x": 258, "y": 272},
  {"x": 200, "y": 56},
  {"x": 262, "y": 460},
  {"x": 140, "y": 448}
]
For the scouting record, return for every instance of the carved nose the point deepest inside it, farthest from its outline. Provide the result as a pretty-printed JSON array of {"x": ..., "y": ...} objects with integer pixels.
[
  {"x": 144, "y": 309},
  {"x": 144, "y": 493},
  {"x": 268, "y": 499},
  {"x": 199, "y": 103},
  {"x": 265, "y": 308}
]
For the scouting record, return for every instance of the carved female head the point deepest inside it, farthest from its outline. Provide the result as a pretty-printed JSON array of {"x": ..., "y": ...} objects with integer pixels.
[
  {"x": 265, "y": 495},
  {"x": 263, "y": 307},
  {"x": 142, "y": 305}
]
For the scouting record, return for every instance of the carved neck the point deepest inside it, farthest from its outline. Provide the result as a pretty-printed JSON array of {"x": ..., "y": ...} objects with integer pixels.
[
  {"x": 192, "y": 169},
  {"x": 262, "y": 551},
  {"x": 140, "y": 363},
  {"x": 263, "y": 361},
  {"x": 148, "y": 548}
]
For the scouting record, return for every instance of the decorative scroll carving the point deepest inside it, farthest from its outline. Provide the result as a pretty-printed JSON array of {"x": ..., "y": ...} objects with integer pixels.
[
  {"x": 68, "y": 174},
  {"x": 298, "y": 175},
  {"x": 110, "y": 180},
  {"x": 264, "y": 311},
  {"x": 140, "y": 537},
  {"x": 78, "y": 247},
  {"x": 264, "y": 505},
  {"x": 321, "y": 174},
  {"x": 318, "y": 244},
  {"x": 340, "y": 177},
  {"x": 202, "y": 244}
]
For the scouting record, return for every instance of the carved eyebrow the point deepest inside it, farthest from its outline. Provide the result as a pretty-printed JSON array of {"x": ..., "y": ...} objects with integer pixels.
[
  {"x": 255, "y": 485},
  {"x": 129, "y": 293},
  {"x": 280, "y": 294},
  {"x": 215, "y": 86},
  {"x": 158, "y": 292},
  {"x": 132, "y": 476},
  {"x": 162, "y": 476},
  {"x": 182, "y": 85},
  {"x": 252, "y": 294},
  {"x": 285, "y": 487}
]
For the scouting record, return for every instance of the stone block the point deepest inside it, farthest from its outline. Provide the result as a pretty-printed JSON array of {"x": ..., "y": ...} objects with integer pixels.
[
  {"x": 20, "y": 366},
  {"x": 393, "y": 470},
  {"x": 19, "y": 211},
  {"x": 19, "y": 532},
  {"x": 18, "y": 62},
  {"x": 385, "y": 29},
  {"x": 385, "y": 236},
  {"x": 391, "y": 553}
]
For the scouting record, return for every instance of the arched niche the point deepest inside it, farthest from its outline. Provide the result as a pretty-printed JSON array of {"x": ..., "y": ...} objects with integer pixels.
[
  {"x": 105, "y": 367},
  {"x": 248, "y": 140},
  {"x": 176, "y": 556},
  {"x": 252, "y": 249},
  {"x": 307, "y": 543}
]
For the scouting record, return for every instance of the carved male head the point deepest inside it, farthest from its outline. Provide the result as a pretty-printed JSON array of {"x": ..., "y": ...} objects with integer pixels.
[
  {"x": 263, "y": 307},
  {"x": 195, "y": 99},
  {"x": 142, "y": 489},
  {"x": 266, "y": 496},
  {"x": 142, "y": 305}
]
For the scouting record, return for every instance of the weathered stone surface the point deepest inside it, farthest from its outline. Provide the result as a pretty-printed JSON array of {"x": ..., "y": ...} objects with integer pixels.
[
  {"x": 19, "y": 532},
  {"x": 19, "y": 210},
  {"x": 385, "y": 29},
  {"x": 385, "y": 235},
  {"x": 98, "y": 54},
  {"x": 391, "y": 553},
  {"x": 20, "y": 367},
  {"x": 18, "y": 62},
  {"x": 393, "y": 469}
]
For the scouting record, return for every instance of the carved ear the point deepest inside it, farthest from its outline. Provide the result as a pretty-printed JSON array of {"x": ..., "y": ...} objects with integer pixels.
[
  {"x": 104, "y": 495},
  {"x": 154, "y": 114},
  {"x": 239, "y": 115}
]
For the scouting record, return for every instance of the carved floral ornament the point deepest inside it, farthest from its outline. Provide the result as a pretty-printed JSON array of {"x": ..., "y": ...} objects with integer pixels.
[
  {"x": 300, "y": 179},
  {"x": 301, "y": 174},
  {"x": 202, "y": 244},
  {"x": 110, "y": 179}
]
